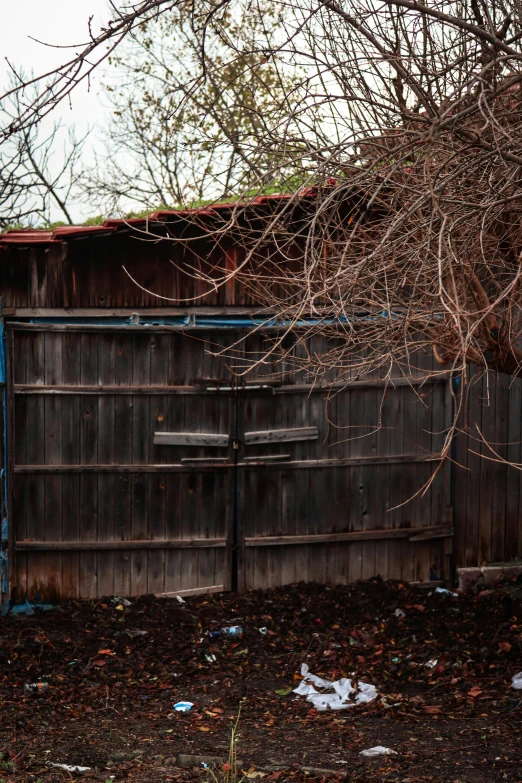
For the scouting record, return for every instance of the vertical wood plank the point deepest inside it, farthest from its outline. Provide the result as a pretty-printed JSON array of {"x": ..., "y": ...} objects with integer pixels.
[
  {"x": 471, "y": 553},
  {"x": 123, "y": 428},
  {"x": 36, "y": 456},
  {"x": 409, "y": 481},
  {"x": 17, "y": 345},
  {"x": 499, "y": 519},
  {"x": 159, "y": 367},
  {"x": 141, "y": 443},
  {"x": 396, "y": 473},
  {"x": 487, "y": 469},
  {"x": 89, "y": 456},
  {"x": 71, "y": 456},
  {"x": 106, "y": 438},
  {"x": 53, "y": 456}
]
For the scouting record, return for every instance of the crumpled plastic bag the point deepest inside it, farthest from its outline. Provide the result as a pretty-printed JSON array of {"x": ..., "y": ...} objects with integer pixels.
[
  {"x": 342, "y": 691},
  {"x": 71, "y": 767},
  {"x": 516, "y": 681},
  {"x": 378, "y": 750}
]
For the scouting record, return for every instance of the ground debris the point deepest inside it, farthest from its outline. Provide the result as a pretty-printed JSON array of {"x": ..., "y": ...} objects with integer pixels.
[{"x": 111, "y": 694}]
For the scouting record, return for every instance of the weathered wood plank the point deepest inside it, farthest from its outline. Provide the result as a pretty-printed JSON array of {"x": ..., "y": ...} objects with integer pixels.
[
  {"x": 190, "y": 439},
  {"x": 106, "y": 438},
  {"x": 95, "y": 545},
  {"x": 192, "y": 591},
  {"x": 88, "y": 576},
  {"x": 123, "y": 409},
  {"x": 159, "y": 369},
  {"x": 71, "y": 455},
  {"x": 281, "y": 436},
  {"x": 179, "y": 467},
  {"x": 35, "y": 435},
  {"x": 357, "y": 535},
  {"x": 210, "y": 387},
  {"x": 53, "y": 455}
]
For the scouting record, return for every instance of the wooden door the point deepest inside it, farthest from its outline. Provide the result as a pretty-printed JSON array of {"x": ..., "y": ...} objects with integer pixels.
[
  {"x": 331, "y": 482},
  {"x": 112, "y": 492},
  {"x": 143, "y": 461}
]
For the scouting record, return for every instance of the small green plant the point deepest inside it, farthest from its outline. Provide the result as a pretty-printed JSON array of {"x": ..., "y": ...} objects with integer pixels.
[
  {"x": 5, "y": 764},
  {"x": 230, "y": 771}
]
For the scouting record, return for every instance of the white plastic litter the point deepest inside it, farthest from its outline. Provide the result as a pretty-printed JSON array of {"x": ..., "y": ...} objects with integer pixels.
[
  {"x": 378, "y": 750},
  {"x": 180, "y": 600},
  {"x": 342, "y": 691},
  {"x": 516, "y": 681},
  {"x": 444, "y": 591},
  {"x": 71, "y": 768}
]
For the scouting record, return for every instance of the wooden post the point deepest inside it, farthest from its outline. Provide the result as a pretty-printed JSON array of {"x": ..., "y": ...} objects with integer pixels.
[{"x": 10, "y": 459}]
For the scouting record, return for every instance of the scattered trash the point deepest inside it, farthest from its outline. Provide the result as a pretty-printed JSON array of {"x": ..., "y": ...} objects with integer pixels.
[
  {"x": 516, "y": 681},
  {"x": 342, "y": 691},
  {"x": 210, "y": 657},
  {"x": 263, "y": 631},
  {"x": 27, "y": 608},
  {"x": 36, "y": 688},
  {"x": 399, "y": 613},
  {"x": 121, "y": 602},
  {"x": 378, "y": 750},
  {"x": 395, "y": 660},
  {"x": 180, "y": 600},
  {"x": 71, "y": 767},
  {"x": 444, "y": 591},
  {"x": 431, "y": 664},
  {"x": 233, "y": 630},
  {"x": 133, "y": 633},
  {"x": 183, "y": 706}
]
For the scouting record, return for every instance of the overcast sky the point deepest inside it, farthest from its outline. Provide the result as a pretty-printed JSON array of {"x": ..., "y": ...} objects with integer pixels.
[{"x": 60, "y": 23}]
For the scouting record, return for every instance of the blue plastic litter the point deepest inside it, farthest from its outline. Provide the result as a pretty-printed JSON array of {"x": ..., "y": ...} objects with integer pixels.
[
  {"x": 183, "y": 706},
  {"x": 27, "y": 608}
]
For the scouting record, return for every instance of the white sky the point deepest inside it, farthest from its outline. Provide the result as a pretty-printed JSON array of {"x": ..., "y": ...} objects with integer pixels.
[{"x": 62, "y": 23}]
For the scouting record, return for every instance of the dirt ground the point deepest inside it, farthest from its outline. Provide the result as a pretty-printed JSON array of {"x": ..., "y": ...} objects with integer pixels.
[{"x": 111, "y": 692}]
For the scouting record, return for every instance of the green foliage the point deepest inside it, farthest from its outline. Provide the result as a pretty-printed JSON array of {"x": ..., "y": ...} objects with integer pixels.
[
  {"x": 97, "y": 220},
  {"x": 6, "y": 765},
  {"x": 52, "y": 226}
]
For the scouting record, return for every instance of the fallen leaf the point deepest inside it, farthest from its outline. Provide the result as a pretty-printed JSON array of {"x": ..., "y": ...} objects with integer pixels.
[
  {"x": 504, "y": 646},
  {"x": 432, "y": 709},
  {"x": 284, "y": 691},
  {"x": 474, "y": 692},
  {"x": 204, "y": 728},
  {"x": 105, "y": 652},
  {"x": 100, "y": 662}
]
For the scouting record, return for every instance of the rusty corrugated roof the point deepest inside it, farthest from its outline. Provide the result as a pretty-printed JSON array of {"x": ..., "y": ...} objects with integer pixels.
[{"x": 62, "y": 233}]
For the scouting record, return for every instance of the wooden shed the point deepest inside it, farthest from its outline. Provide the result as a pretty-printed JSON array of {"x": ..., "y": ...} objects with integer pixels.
[{"x": 137, "y": 459}]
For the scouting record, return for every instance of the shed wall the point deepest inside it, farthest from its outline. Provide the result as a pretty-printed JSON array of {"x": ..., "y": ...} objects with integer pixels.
[{"x": 104, "y": 422}]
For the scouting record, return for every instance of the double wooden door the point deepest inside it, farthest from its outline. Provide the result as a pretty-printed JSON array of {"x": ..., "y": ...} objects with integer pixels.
[{"x": 151, "y": 460}]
